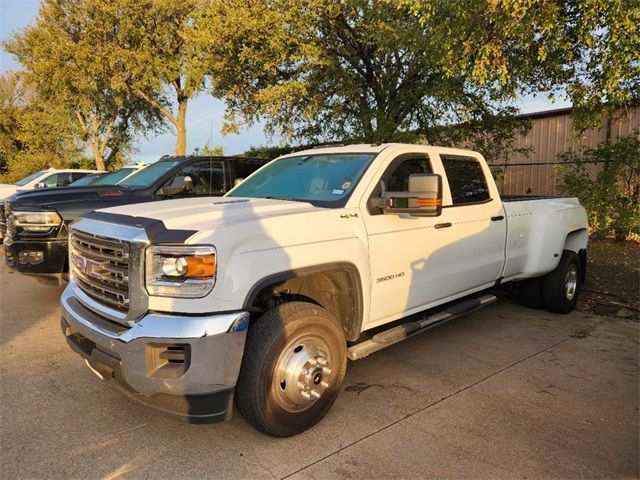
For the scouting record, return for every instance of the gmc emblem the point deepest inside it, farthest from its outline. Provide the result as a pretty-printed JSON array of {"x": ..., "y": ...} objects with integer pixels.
[{"x": 91, "y": 268}]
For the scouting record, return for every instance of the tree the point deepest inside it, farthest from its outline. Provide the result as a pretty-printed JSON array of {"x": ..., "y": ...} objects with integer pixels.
[
  {"x": 67, "y": 59},
  {"x": 209, "y": 151},
  {"x": 586, "y": 48},
  {"x": 157, "y": 61},
  {"x": 34, "y": 134},
  {"x": 611, "y": 195},
  {"x": 317, "y": 70}
]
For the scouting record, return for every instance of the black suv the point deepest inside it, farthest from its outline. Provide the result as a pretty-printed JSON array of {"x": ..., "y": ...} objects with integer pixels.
[{"x": 36, "y": 222}]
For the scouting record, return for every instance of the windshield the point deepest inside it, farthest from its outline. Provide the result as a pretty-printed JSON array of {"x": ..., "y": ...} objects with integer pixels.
[
  {"x": 29, "y": 178},
  {"x": 86, "y": 180},
  {"x": 324, "y": 179},
  {"x": 149, "y": 175},
  {"x": 114, "y": 177}
]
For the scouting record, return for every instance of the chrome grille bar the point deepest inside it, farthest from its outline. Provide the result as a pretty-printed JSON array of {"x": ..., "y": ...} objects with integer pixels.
[{"x": 101, "y": 268}]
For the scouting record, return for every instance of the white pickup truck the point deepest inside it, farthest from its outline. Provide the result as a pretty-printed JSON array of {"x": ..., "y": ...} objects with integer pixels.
[{"x": 318, "y": 257}]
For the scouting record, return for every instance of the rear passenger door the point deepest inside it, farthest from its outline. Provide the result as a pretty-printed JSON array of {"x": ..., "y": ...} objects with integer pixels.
[{"x": 474, "y": 211}]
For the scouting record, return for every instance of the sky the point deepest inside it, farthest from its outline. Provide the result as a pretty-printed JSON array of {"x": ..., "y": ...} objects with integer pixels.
[{"x": 204, "y": 114}]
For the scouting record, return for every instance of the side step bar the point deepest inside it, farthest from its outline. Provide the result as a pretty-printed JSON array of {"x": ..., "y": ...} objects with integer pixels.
[{"x": 401, "y": 332}]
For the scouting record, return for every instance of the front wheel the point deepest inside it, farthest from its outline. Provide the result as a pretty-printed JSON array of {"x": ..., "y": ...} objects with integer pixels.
[
  {"x": 561, "y": 287},
  {"x": 292, "y": 370}
]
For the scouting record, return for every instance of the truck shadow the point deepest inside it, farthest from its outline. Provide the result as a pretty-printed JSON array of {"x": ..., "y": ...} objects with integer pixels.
[{"x": 24, "y": 302}]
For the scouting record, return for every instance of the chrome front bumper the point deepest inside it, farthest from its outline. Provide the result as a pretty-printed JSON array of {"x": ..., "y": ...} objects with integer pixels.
[{"x": 200, "y": 388}]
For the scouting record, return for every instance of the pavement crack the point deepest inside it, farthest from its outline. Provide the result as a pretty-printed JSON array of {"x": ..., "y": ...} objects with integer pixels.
[{"x": 437, "y": 402}]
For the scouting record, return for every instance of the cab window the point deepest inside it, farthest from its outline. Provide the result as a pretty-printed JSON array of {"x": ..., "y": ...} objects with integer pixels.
[
  {"x": 466, "y": 179},
  {"x": 207, "y": 177},
  {"x": 396, "y": 177},
  {"x": 61, "y": 179}
]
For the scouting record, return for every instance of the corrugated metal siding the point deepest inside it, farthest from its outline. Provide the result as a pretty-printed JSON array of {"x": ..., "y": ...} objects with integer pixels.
[{"x": 549, "y": 137}]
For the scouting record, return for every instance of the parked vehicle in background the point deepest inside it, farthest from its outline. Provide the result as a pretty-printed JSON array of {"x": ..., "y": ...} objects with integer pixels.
[
  {"x": 35, "y": 241},
  {"x": 109, "y": 178},
  {"x": 88, "y": 179},
  {"x": 319, "y": 256},
  {"x": 91, "y": 179},
  {"x": 44, "y": 179}
]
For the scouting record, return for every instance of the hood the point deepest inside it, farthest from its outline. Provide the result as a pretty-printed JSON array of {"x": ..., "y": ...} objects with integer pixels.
[
  {"x": 211, "y": 212},
  {"x": 52, "y": 197},
  {"x": 6, "y": 190}
]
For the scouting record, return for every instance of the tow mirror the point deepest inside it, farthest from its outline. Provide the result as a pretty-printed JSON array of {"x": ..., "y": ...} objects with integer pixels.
[
  {"x": 177, "y": 185},
  {"x": 424, "y": 198}
]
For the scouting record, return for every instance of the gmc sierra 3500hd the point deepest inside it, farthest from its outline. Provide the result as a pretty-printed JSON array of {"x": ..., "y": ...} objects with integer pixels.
[{"x": 317, "y": 257}]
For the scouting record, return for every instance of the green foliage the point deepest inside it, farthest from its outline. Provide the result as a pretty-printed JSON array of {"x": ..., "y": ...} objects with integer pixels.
[
  {"x": 154, "y": 57},
  {"x": 493, "y": 135},
  {"x": 606, "y": 179},
  {"x": 588, "y": 48},
  {"x": 209, "y": 151},
  {"x": 68, "y": 58},
  {"x": 274, "y": 152},
  {"x": 34, "y": 134},
  {"x": 318, "y": 70}
]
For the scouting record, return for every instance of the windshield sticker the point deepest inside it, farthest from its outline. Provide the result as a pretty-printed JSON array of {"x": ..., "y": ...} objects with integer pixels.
[
  {"x": 346, "y": 185},
  {"x": 337, "y": 191}
]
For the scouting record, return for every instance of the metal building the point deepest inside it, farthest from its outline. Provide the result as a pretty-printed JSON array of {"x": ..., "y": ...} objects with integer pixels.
[{"x": 551, "y": 134}]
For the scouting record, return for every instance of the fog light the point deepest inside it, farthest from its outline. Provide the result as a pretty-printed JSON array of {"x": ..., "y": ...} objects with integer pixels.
[
  {"x": 167, "y": 360},
  {"x": 31, "y": 257}
]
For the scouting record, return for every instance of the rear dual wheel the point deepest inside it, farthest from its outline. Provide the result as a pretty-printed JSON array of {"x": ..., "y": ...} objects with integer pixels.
[
  {"x": 561, "y": 287},
  {"x": 292, "y": 370},
  {"x": 558, "y": 290}
]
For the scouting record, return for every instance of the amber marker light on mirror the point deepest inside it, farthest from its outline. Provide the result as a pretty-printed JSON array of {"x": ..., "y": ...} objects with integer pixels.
[{"x": 429, "y": 202}]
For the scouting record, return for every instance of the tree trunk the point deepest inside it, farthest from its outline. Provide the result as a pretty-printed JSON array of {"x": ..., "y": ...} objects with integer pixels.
[
  {"x": 97, "y": 155},
  {"x": 181, "y": 127}
]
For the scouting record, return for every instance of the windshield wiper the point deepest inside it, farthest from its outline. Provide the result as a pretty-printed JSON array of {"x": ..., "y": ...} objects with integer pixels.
[{"x": 285, "y": 199}]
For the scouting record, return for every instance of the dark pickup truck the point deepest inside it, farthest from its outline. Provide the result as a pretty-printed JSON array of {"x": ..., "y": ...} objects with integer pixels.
[{"x": 35, "y": 223}]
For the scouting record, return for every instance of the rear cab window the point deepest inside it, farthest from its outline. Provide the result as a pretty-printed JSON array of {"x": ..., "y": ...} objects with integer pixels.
[{"x": 466, "y": 179}]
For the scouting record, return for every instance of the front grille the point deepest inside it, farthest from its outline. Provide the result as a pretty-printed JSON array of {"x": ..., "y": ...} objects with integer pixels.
[
  {"x": 100, "y": 267},
  {"x": 10, "y": 228},
  {"x": 3, "y": 221}
]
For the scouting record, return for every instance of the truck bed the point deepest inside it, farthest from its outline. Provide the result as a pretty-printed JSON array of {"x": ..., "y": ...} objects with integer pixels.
[{"x": 519, "y": 198}]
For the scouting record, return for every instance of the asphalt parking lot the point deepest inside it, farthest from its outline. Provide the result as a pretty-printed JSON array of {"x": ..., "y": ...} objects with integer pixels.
[{"x": 504, "y": 392}]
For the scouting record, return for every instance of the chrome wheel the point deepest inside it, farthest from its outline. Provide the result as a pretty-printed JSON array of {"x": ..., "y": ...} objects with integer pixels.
[
  {"x": 571, "y": 282},
  {"x": 302, "y": 374}
]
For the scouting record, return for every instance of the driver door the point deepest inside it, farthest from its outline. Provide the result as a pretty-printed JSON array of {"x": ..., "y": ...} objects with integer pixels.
[{"x": 409, "y": 258}]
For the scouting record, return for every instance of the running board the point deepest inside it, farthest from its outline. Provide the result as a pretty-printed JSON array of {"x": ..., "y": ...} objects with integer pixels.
[{"x": 401, "y": 332}]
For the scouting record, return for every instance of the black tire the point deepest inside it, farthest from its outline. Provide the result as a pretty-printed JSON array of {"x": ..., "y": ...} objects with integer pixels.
[
  {"x": 531, "y": 293},
  {"x": 281, "y": 349},
  {"x": 561, "y": 287}
]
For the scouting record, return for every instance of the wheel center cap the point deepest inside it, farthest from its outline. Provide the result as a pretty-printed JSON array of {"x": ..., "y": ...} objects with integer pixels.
[{"x": 317, "y": 378}]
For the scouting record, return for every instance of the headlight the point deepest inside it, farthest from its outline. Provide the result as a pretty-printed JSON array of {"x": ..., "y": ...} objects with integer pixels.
[
  {"x": 36, "y": 221},
  {"x": 180, "y": 271}
]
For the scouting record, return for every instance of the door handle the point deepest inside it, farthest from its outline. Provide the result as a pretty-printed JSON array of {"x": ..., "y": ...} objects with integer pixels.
[
  {"x": 442, "y": 225},
  {"x": 497, "y": 218}
]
